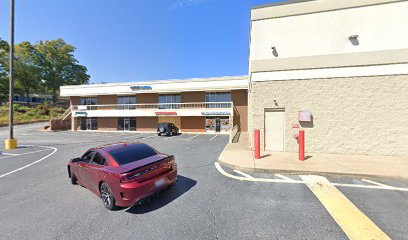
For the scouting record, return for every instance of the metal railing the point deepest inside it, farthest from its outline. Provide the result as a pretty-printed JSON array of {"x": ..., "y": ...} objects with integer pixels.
[
  {"x": 66, "y": 114},
  {"x": 153, "y": 106}
]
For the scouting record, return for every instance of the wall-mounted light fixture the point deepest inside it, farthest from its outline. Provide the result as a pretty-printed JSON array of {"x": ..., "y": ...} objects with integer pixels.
[
  {"x": 274, "y": 52},
  {"x": 276, "y": 103},
  {"x": 354, "y": 40}
]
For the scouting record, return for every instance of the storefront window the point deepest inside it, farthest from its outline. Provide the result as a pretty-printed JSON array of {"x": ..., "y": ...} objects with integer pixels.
[
  {"x": 217, "y": 124},
  {"x": 165, "y": 101}
]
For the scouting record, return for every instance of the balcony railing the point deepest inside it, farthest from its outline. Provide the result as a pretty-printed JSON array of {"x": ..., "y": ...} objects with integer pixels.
[{"x": 152, "y": 106}]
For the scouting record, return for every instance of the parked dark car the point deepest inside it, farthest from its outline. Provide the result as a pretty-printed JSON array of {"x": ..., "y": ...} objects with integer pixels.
[
  {"x": 123, "y": 174},
  {"x": 168, "y": 129}
]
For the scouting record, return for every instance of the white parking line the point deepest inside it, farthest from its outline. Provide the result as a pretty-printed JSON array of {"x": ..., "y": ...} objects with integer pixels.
[
  {"x": 213, "y": 137},
  {"x": 28, "y": 165},
  {"x": 217, "y": 165},
  {"x": 243, "y": 174},
  {"x": 9, "y": 154},
  {"x": 19, "y": 154},
  {"x": 289, "y": 180},
  {"x": 191, "y": 137},
  {"x": 374, "y": 182}
]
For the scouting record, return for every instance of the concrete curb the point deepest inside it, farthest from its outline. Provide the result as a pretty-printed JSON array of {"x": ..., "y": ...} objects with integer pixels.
[{"x": 297, "y": 172}]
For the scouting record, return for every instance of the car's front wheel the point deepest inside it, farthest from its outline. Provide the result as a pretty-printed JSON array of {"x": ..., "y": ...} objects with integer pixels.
[
  {"x": 73, "y": 177},
  {"x": 107, "y": 197}
]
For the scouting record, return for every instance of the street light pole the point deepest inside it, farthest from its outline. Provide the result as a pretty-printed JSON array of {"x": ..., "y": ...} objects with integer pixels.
[{"x": 11, "y": 143}]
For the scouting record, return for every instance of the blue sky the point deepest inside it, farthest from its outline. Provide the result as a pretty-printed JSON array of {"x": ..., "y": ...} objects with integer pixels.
[{"x": 132, "y": 40}]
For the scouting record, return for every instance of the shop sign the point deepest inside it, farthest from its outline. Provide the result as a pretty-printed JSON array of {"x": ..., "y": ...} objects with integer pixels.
[
  {"x": 206, "y": 113},
  {"x": 141, "y": 88},
  {"x": 166, "y": 113},
  {"x": 81, "y": 114}
]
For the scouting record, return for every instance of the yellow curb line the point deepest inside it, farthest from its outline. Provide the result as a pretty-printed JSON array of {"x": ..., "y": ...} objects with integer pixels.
[{"x": 355, "y": 224}]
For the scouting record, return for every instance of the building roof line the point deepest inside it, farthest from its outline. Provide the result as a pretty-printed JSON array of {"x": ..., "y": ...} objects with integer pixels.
[{"x": 156, "y": 82}]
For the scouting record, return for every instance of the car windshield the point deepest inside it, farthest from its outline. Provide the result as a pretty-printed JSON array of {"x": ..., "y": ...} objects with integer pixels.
[{"x": 132, "y": 153}]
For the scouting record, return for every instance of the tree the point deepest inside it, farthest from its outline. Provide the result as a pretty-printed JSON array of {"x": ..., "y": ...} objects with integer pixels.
[
  {"x": 59, "y": 66},
  {"x": 4, "y": 49},
  {"x": 27, "y": 72}
]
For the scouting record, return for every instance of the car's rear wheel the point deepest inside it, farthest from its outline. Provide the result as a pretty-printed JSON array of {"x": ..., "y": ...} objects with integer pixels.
[
  {"x": 74, "y": 180},
  {"x": 159, "y": 134},
  {"x": 107, "y": 198}
]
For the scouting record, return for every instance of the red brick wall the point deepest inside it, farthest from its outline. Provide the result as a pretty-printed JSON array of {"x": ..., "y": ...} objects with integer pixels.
[
  {"x": 192, "y": 97},
  {"x": 107, "y": 123},
  {"x": 193, "y": 124},
  {"x": 240, "y": 101},
  {"x": 107, "y": 99},
  {"x": 146, "y": 124},
  {"x": 147, "y": 98},
  {"x": 75, "y": 100}
]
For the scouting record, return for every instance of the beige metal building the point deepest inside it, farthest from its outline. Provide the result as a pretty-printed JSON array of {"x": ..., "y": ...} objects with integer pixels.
[{"x": 340, "y": 66}]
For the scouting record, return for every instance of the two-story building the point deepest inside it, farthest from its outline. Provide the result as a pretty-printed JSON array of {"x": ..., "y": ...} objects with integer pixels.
[{"x": 213, "y": 105}]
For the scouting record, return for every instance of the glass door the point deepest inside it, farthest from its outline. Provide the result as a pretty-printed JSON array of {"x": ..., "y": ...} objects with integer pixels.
[
  {"x": 126, "y": 124},
  {"x": 217, "y": 125},
  {"x": 89, "y": 123}
]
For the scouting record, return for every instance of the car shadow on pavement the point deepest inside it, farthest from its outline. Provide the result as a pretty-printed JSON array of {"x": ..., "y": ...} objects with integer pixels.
[{"x": 184, "y": 184}]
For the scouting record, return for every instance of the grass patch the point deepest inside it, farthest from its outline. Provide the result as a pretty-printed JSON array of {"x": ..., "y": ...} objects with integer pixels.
[{"x": 24, "y": 114}]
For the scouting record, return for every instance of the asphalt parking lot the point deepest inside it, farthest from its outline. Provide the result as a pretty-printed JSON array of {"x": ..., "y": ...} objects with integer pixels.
[{"x": 38, "y": 201}]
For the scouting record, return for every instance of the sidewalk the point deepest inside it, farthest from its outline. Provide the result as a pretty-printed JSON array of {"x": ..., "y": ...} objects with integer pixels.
[{"x": 239, "y": 156}]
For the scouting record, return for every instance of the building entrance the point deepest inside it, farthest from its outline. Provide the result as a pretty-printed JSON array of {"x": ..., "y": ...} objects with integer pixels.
[
  {"x": 274, "y": 130},
  {"x": 217, "y": 124},
  {"x": 89, "y": 123}
]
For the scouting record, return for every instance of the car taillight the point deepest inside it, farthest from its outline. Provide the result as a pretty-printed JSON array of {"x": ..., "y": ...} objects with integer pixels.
[
  {"x": 130, "y": 177},
  {"x": 172, "y": 161}
]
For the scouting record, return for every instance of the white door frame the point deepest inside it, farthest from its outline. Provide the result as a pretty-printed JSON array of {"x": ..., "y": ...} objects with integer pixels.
[{"x": 284, "y": 119}]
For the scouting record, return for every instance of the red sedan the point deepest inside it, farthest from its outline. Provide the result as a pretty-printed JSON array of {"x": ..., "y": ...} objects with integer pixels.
[{"x": 123, "y": 174}]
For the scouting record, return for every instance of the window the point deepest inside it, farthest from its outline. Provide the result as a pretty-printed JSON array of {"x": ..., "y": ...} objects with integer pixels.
[
  {"x": 167, "y": 99},
  {"x": 218, "y": 99},
  {"x": 98, "y": 159},
  {"x": 89, "y": 101},
  {"x": 87, "y": 157},
  {"x": 132, "y": 153},
  {"x": 124, "y": 102},
  {"x": 127, "y": 124}
]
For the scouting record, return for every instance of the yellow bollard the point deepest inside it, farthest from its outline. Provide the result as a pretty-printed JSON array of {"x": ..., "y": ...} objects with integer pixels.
[{"x": 10, "y": 143}]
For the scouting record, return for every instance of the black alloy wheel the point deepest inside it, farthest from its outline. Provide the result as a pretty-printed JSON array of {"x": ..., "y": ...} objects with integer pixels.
[{"x": 107, "y": 197}]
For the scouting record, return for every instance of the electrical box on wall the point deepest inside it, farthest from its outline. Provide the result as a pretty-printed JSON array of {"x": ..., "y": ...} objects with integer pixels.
[{"x": 305, "y": 116}]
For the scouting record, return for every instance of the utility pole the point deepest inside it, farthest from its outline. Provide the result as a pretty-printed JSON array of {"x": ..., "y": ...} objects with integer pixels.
[{"x": 11, "y": 143}]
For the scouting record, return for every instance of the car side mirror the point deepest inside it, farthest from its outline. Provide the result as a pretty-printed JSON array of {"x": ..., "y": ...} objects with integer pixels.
[{"x": 78, "y": 159}]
